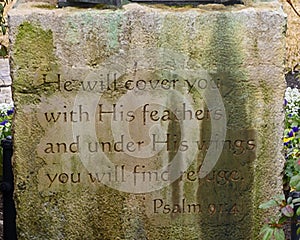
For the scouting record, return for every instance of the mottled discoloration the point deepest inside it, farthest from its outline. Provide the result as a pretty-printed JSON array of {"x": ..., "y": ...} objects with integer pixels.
[{"x": 240, "y": 48}]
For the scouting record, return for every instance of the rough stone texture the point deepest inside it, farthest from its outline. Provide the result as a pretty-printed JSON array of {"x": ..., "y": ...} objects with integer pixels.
[
  {"x": 5, "y": 82},
  {"x": 53, "y": 3},
  {"x": 55, "y": 53}
]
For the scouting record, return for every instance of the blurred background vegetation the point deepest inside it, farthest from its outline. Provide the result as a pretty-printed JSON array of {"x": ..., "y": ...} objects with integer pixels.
[
  {"x": 292, "y": 34},
  {"x": 5, "y": 5}
]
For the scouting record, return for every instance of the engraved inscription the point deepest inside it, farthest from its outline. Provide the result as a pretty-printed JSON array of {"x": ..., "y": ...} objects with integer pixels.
[{"x": 141, "y": 122}]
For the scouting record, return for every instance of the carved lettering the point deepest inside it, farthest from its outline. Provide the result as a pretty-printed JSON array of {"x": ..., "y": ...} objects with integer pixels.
[
  {"x": 64, "y": 178},
  {"x": 115, "y": 175},
  {"x": 161, "y": 206},
  {"x": 220, "y": 177},
  {"x": 68, "y": 116},
  {"x": 51, "y": 179},
  {"x": 236, "y": 146},
  {"x": 142, "y": 175},
  {"x": 62, "y": 147},
  {"x": 115, "y": 146},
  {"x": 172, "y": 142},
  {"x": 108, "y": 82}
]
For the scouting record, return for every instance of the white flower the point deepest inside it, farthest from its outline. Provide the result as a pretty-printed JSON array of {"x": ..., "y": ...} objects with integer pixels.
[
  {"x": 6, "y": 106},
  {"x": 292, "y": 97}
]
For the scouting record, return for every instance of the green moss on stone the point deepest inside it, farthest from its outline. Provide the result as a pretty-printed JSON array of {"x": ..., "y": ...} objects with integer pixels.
[
  {"x": 105, "y": 6},
  {"x": 45, "y": 6},
  {"x": 33, "y": 56}
]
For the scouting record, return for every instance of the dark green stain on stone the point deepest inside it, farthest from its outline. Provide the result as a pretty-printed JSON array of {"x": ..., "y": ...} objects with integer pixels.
[
  {"x": 227, "y": 208},
  {"x": 33, "y": 55}
]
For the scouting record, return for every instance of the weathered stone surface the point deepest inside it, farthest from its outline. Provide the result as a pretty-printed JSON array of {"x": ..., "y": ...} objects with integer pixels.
[
  {"x": 5, "y": 95},
  {"x": 5, "y": 78},
  {"x": 5, "y": 82},
  {"x": 146, "y": 122},
  {"x": 118, "y": 3}
]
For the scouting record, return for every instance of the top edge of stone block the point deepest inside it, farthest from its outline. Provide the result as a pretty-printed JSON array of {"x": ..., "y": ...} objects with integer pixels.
[{"x": 47, "y": 7}]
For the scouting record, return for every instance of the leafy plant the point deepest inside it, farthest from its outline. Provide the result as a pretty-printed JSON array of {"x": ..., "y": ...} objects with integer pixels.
[
  {"x": 3, "y": 25},
  {"x": 6, "y": 115},
  {"x": 291, "y": 138},
  {"x": 273, "y": 229}
]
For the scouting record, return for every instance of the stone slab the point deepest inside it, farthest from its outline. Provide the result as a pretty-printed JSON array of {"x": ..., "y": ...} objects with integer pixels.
[
  {"x": 5, "y": 82},
  {"x": 119, "y": 3},
  {"x": 5, "y": 95},
  {"x": 5, "y": 79},
  {"x": 146, "y": 122}
]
